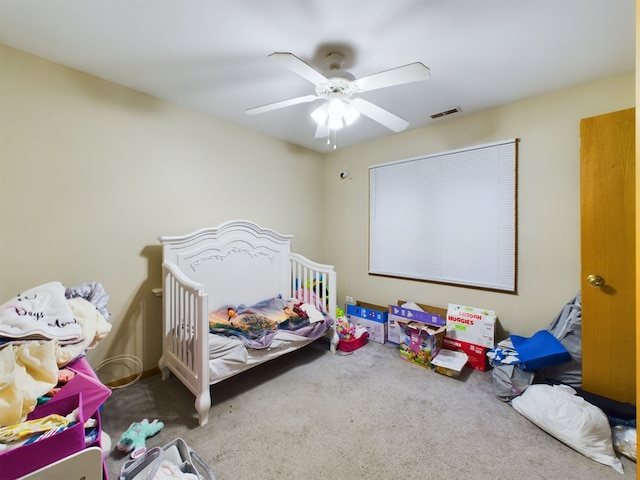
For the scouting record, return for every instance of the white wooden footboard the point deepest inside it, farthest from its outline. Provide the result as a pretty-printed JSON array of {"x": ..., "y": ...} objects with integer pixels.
[
  {"x": 315, "y": 283},
  {"x": 184, "y": 337}
]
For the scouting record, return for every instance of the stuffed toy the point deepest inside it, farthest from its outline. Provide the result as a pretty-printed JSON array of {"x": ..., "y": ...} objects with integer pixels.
[{"x": 133, "y": 440}]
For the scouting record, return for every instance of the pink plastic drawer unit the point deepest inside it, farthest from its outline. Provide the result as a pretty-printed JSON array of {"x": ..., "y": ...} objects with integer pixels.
[
  {"x": 85, "y": 381},
  {"x": 19, "y": 461}
]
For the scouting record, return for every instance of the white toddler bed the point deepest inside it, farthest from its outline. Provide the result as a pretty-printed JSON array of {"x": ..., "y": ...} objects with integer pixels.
[{"x": 234, "y": 265}]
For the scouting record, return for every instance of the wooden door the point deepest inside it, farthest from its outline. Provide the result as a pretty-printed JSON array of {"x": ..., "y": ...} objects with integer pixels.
[{"x": 607, "y": 218}]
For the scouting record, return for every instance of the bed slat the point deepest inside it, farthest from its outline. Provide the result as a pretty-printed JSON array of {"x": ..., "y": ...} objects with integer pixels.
[{"x": 313, "y": 283}]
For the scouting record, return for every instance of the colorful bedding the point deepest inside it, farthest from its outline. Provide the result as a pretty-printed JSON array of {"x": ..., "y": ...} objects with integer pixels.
[{"x": 258, "y": 324}]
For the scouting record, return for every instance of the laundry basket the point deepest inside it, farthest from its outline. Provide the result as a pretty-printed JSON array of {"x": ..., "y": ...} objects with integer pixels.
[{"x": 175, "y": 455}]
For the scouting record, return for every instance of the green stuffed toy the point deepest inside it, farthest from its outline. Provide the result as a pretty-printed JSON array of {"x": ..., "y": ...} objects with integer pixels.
[{"x": 133, "y": 440}]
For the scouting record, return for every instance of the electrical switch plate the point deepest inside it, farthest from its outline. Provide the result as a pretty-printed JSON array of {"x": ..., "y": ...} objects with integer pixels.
[{"x": 349, "y": 300}]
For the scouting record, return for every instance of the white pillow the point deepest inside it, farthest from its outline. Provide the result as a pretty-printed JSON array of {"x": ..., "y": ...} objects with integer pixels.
[{"x": 571, "y": 419}]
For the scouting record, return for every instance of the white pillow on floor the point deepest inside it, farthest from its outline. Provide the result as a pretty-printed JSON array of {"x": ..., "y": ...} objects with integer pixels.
[{"x": 571, "y": 419}]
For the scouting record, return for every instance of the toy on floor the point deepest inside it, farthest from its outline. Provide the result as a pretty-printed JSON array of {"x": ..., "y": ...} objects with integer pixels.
[{"x": 133, "y": 440}]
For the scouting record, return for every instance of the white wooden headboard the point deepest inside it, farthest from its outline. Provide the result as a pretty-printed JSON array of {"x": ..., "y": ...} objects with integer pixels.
[{"x": 236, "y": 262}]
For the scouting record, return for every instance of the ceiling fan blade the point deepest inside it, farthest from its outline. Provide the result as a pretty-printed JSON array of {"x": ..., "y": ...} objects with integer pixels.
[
  {"x": 380, "y": 115},
  {"x": 283, "y": 103},
  {"x": 414, "y": 72},
  {"x": 293, "y": 63}
]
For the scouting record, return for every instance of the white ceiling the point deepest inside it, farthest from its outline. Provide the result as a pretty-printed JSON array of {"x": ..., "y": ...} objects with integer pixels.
[{"x": 212, "y": 55}]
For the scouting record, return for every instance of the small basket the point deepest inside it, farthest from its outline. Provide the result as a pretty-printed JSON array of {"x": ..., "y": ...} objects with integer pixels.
[{"x": 354, "y": 344}]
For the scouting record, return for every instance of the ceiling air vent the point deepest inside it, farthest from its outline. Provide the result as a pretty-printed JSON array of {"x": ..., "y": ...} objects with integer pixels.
[{"x": 446, "y": 112}]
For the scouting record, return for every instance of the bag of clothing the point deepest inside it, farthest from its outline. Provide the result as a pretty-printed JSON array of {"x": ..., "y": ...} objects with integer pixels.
[
  {"x": 510, "y": 381},
  {"x": 176, "y": 460},
  {"x": 566, "y": 327}
]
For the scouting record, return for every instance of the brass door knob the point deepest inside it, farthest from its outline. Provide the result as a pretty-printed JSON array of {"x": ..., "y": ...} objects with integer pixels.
[{"x": 595, "y": 280}]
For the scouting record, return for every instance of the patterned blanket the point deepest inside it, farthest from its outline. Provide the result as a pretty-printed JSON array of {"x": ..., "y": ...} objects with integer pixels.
[{"x": 258, "y": 324}]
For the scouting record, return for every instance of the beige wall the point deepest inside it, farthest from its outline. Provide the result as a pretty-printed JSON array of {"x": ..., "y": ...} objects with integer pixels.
[
  {"x": 548, "y": 202},
  {"x": 91, "y": 173}
]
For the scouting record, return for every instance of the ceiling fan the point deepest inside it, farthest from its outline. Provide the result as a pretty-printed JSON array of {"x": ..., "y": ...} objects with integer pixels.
[{"x": 339, "y": 89}]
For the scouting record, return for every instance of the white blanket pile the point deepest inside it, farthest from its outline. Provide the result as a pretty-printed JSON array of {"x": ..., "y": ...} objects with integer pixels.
[{"x": 40, "y": 313}]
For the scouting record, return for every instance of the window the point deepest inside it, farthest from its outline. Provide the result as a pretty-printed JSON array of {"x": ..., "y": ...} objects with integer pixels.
[{"x": 447, "y": 218}]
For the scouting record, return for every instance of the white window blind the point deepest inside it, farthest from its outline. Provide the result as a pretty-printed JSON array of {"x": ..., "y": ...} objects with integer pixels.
[{"x": 448, "y": 217}]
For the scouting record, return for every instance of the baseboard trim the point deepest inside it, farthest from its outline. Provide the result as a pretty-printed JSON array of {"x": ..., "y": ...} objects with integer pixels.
[{"x": 121, "y": 382}]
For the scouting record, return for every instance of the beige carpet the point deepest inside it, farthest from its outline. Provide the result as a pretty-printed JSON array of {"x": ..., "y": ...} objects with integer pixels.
[{"x": 369, "y": 415}]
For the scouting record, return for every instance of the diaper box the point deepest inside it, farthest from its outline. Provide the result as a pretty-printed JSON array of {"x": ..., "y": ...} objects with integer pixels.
[
  {"x": 476, "y": 354},
  {"x": 471, "y": 325},
  {"x": 372, "y": 317}
]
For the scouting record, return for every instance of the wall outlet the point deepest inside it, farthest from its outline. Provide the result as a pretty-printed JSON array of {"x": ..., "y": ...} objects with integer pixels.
[{"x": 349, "y": 300}]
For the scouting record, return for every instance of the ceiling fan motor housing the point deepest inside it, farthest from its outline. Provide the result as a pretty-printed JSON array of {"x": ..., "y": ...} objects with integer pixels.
[{"x": 335, "y": 85}]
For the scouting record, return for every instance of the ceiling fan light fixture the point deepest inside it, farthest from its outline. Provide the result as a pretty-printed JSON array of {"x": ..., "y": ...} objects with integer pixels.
[
  {"x": 335, "y": 123},
  {"x": 351, "y": 114},
  {"x": 320, "y": 114},
  {"x": 336, "y": 106},
  {"x": 334, "y": 113}
]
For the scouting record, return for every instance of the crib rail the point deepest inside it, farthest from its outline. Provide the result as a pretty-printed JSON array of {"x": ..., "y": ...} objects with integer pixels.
[
  {"x": 314, "y": 283},
  {"x": 185, "y": 325}
]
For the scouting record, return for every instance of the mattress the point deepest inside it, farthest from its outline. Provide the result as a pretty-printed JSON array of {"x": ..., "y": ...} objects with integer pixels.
[{"x": 229, "y": 356}]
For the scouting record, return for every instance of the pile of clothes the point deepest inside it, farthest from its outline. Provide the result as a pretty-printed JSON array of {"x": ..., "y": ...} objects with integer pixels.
[
  {"x": 552, "y": 356},
  {"x": 42, "y": 330},
  {"x": 541, "y": 377}
]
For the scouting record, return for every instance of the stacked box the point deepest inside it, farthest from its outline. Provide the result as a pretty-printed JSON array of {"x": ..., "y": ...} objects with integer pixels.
[
  {"x": 372, "y": 317},
  {"x": 428, "y": 316},
  {"x": 431, "y": 315},
  {"x": 477, "y": 354},
  {"x": 472, "y": 331},
  {"x": 471, "y": 325}
]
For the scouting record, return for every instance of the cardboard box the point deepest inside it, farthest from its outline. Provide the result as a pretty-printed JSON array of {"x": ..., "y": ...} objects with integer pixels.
[
  {"x": 420, "y": 342},
  {"x": 432, "y": 315},
  {"x": 393, "y": 329},
  {"x": 471, "y": 325},
  {"x": 368, "y": 311},
  {"x": 450, "y": 362},
  {"x": 372, "y": 317},
  {"x": 476, "y": 354}
]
